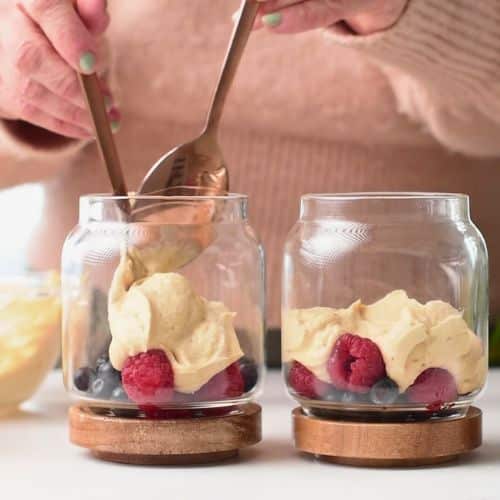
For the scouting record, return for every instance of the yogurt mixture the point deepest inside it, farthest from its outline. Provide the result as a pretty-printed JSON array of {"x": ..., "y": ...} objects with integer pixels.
[
  {"x": 149, "y": 309},
  {"x": 29, "y": 339},
  {"x": 411, "y": 337}
]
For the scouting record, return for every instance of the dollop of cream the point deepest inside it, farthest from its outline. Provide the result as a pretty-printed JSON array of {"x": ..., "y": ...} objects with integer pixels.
[
  {"x": 411, "y": 337},
  {"x": 163, "y": 311}
]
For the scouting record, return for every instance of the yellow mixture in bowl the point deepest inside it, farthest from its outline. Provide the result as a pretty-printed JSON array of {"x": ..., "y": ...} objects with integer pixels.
[{"x": 30, "y": 318}]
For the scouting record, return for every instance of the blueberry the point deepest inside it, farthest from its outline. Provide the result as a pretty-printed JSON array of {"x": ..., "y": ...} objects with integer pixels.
[
  {"x": 249, "y": 372},
  {"x": 106, "y": 369},
  {"x": 98, "y": 388},
  {"x": 349, "y": 397},
  {"x": 103, "y": 389},
  {"x": 111, "y": 376},
  {"x": 106, "y": 381},
  {"x": 101, "y": 360},
  {"x": 83, "y": 378},
  {"x": 333, "y": 395},
  {"x": 384, "y": 392},
  {"x": 119, "y": 394}
]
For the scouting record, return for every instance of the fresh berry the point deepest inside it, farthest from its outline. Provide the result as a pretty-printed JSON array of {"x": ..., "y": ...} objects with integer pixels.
[
  {"x": 148, "y": 378},
  {"x": 433, "y": 386},
  {"x": 436, "y": 406},
  {"x": 83, "y": 378},
  {"x": 152, "y": 412},
  {"x": 227, "y": 384},
  {"x": 305, "y": 383},
  {"x": 333, "y": 395},
  {"x": 106, "y": 380},
  {"x": 98, "y": 389},
  {"x": 384, "y": 392},
  {"x": 355, "y": 364},
  {"x": 350, "y": 397},
  {"x": 249, "y": 372},
  {"x": 119, "y": 394},
  {"x": 107, "y": 372},
  {"x": 103, "y": 358}
]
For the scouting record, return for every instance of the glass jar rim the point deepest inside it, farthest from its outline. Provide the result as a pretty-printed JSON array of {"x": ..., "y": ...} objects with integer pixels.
[
  {"x": 154, "y": 197},
  {"x": 384, "y": 195}
]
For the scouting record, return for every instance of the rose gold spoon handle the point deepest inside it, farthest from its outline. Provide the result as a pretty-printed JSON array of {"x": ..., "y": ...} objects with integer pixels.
[
  {"x": 104, "y": 136},
  {"x": 199, "y": 165},
  {"x": 241, "y": 34}
]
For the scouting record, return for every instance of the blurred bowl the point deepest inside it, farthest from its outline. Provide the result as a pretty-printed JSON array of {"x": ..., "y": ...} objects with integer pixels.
[{"x": 30, "y": 339}]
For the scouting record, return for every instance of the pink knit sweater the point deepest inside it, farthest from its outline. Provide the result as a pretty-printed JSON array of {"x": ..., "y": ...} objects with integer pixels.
[{"x": 414, "y": 108}]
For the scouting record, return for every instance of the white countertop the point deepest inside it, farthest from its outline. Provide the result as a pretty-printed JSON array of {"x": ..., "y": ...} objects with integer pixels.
[{"x": 37, "y": 461}]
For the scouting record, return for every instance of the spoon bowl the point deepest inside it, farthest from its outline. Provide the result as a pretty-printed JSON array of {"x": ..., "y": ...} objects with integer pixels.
[{"x": 194, "y": 168}]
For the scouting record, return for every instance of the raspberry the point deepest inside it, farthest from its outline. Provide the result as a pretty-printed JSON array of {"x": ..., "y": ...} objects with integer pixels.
[
  {"x": 148, "y": 378},
  {"x": 355, "y": 364},
  {"x": 305, "y": 383},
  {"x": 433, "y": 386},
  {"x": 154, "y": 413},
  {"x": 227, "y": 384}
]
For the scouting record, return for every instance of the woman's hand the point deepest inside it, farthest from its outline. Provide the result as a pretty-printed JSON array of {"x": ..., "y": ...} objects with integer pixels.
[
  {"x": 362, "y": 16},
  {"x": 43, "y": 44}
]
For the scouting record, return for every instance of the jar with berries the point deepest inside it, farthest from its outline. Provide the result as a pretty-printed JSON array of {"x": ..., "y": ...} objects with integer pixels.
[
  {"x": 163, "y": 307},
  {"x": 385, "y": 307}
]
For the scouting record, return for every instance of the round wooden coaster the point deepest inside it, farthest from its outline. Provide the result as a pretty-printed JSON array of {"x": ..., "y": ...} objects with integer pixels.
[
  {"x": 165, "y": 442},
  {"x": 387, "y": 444}
]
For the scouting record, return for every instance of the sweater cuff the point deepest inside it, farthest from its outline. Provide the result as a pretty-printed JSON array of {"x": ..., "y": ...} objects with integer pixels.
[
  {"x": 452, "y": 47},
  {"x": 24, "y": 140}
]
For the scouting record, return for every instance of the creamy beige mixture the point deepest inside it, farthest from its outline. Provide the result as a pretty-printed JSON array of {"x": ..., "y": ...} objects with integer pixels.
[
  {"x": 411, "y": 337},
  {"x": 161, "y": 310},
  {"x": 30, "y": 330}
]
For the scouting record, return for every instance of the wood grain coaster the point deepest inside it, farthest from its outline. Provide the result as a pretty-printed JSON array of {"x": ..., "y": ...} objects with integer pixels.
[
  {"x": 165, "y": 442},
  {"x": 387, "y": 444}
]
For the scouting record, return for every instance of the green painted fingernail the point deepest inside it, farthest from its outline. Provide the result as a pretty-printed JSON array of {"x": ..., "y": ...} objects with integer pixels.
[
  {"x": 272, "y": 20},
  {"x": 115, "y": 126},
  {"x": 87, "y": 62}
]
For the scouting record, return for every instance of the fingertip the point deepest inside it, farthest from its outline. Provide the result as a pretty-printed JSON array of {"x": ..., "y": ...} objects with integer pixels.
[
  {"x": 94, "y": 15},
  {"x": 258, "y": 23},
  {"x": 115, "y": 114},
  {"x": 101, "y": 24}
]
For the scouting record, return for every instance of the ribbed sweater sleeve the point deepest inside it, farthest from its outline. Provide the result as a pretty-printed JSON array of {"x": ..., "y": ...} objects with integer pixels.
[
  {"x": 23, "y": 140},
  {"x": 443, "y": 61}
]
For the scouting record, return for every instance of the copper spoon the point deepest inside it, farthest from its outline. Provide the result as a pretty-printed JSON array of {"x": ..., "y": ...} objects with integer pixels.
[
  {"x": 105, "y": 141},
  {"x": 199, "y": 165}
]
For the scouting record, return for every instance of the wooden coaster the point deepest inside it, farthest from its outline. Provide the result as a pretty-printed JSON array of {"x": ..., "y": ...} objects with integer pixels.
[
  {"x": 387, "y": 444},
  {"x": 165, "y": 442}
]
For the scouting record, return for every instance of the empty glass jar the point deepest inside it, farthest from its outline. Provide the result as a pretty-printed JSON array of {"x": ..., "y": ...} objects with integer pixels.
[
  {"x": 385, "y": 306},
  {"x": 163, "y": 309}
]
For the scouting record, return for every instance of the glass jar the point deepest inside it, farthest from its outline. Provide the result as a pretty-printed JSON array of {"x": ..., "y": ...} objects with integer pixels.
[
  {"x": 385, "y": 306},
  {"x": 163, "y": 311}
]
